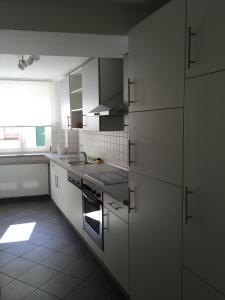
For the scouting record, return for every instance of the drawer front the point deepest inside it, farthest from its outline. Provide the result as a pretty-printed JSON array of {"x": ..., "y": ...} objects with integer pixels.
[
  {"x": 116, "y": 207},
  {"x": 62, "y": 171}
]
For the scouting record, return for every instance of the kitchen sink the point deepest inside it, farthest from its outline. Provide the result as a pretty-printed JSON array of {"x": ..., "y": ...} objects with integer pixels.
[{"x": 75, "y": 161}]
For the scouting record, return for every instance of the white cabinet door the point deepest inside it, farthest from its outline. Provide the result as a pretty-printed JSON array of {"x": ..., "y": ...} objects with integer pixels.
[
  {"x": 204, "y": 173},
  {"x": 156, "y": 59},
  {"x": 157, "y": 144},
  {"x": 65, "y": 102},
  {"x": 23, "y": 180},
  {"x": 196, "y": 289},
  {"x": 72, "y": 205},
  {"x": 155, "y": 226},
  {"x": 207, "y": 46},
  {"x": 53, "y": 181},
  {"x": 90, "y": 85},
  {"x": 116, "y": 247}
]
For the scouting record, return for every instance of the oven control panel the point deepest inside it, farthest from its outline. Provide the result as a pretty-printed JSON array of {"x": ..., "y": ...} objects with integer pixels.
[
  {"x": 74, "y": 179},
  {"x": 92, "y": 190}
]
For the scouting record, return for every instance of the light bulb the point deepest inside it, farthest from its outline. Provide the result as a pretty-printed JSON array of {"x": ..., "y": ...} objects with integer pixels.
[{"x": 30, "y": 60}]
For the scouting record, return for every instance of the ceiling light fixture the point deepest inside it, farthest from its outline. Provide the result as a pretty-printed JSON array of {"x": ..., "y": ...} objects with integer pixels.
[{"x": 29, "y": 61}]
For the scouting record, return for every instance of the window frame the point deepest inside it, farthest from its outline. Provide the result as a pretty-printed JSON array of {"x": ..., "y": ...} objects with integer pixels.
[{"x": 22, "y": 142}]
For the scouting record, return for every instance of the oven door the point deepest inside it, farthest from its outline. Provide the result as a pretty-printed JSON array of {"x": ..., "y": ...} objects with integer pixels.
[{"x": 92, "y": 218}]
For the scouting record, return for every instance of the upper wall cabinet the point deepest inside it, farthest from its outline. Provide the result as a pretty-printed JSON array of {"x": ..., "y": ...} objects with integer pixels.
[
  {"x": 156, "y": 59},
  {"x": 102, "y": 80},
  {"x": 205, "y": 37},
  {"x": 71, "y": 100}
]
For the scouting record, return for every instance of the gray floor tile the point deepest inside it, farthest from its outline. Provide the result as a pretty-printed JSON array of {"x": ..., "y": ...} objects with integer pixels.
[
  {"x": 38, "y": 254},
  {"x": 4, "y": 279},
  {"x": 82, "y": 268},
  {"x": 39, "y": 238},
  {"x": 88, "y": 292},
  {"x": 77, "y": 249},
  {"x": 61, "y": 285},
  {"x": 17, "y": 267},
  {"x": 56, "y": 243},
  {"x": 40, "y": 295},
  {"x": 16, "y": 290},
  {"x": 6, "y": 257},
  {"x": 116, "y": 295},
  {"x": 101, "y": 279},
  {"x": 38, "y": 276},
  {"x": 58, "y": 261},
  {"x": 20, "y": 248}
]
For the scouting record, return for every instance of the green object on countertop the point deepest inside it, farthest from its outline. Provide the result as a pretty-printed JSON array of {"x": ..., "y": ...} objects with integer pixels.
[{"x": 40, "y": 136}]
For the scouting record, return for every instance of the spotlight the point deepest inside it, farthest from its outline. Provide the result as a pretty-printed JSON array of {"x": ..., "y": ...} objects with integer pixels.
[
  {"x": 36, "y": 57},
  {"x": 30, "y": 60},
  {"x": 25, "y": 63}
]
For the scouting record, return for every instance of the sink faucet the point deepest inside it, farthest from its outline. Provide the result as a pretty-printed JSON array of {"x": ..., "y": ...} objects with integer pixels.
[{"x": 85, "y": 156}]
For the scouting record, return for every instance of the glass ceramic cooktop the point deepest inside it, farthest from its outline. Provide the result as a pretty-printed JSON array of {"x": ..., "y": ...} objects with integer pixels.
[{"x": 111, "y": 177}]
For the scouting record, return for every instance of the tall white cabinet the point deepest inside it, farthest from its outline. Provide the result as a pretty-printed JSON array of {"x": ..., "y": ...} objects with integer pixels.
[
  {"x": 156, "y": 66},
  {"x": 205, "y": 32},
  {"x": 204, "y": 173}
]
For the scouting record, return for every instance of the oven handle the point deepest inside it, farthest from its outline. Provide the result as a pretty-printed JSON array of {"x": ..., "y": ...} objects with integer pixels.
[{"x": 88, "y": 198}]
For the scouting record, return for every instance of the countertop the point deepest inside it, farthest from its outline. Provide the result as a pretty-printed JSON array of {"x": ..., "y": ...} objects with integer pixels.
[{"x": 116, "y": 191}]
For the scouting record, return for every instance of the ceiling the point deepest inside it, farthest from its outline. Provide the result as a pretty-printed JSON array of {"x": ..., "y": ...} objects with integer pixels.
[{"x": 47, "y": 68}]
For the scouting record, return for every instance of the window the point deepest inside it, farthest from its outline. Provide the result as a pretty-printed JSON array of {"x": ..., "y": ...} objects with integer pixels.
[{"x": 25, "y": 139}]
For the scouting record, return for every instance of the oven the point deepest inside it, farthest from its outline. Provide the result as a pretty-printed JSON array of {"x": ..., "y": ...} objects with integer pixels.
[{"x": 93, "y": 213}]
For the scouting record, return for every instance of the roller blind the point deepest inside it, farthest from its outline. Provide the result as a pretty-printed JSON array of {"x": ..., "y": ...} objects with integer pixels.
[{"x": 26, "y": 103}]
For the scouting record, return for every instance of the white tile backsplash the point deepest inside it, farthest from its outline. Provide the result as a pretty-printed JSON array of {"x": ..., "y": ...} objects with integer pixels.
[{"x": 111, "y": 146}]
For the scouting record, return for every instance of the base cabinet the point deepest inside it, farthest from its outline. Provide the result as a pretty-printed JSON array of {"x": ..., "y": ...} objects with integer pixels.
[
  {"x": 196, "y": 289},
  {"x": 66, "y": 196},
  {"x": 116, "y": 247},
  {"x": 155, "y": 224},
  {"x": 23, "y": 180}
]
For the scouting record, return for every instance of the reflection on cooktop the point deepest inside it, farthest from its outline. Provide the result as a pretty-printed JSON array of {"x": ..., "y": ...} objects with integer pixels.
[{"x": 108, "y": 178}]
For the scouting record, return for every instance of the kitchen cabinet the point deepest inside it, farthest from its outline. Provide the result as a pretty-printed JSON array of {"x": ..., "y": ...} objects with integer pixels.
[
  {"x": 66, "y": 196},
  {"x": 102, "y": 81},
  {"x": 72, "y": 205},
  {"x": 204, "y": 175},
  {"x": 20, "y": 180},
  {"x": 156, "y": 144},
  {"x": 156, "y": 59},
  {"x": 205, "y": 32},
  {"x": 71, "y": 100},
  {"x": 116, "y": 246},
  {"x": 196, "y": 289},
  {"x": 65, "y": 102},
  {"x": 155, "y": 232}
]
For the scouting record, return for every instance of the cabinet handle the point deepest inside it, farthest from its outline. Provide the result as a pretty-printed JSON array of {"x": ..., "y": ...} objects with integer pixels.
[
  {"x": 129, "y": 205},
  {"x": 190, "y": 35},
  {"x": 113, "y": 205},
  {"x": 129, "y": 153},
  {"x": 187, "y": 216},
  {"x": 106, "y": 227},
  {"x": 68, "y": 121},
  {"x": 129, "y": 84}
]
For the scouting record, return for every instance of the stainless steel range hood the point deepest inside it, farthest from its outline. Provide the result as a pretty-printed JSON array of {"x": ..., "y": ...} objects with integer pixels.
[{"x": 103, "y": 110}]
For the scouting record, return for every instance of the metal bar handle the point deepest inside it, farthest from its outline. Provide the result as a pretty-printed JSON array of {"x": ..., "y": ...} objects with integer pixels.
[
  {"x": 129, "y": 153},
  {"x": 190, "y": 35},
  {"x": 129, "y": 84},
  {"x": 129, "y": 205},
  {"x": 187, "y": 216},
  {"x": 68, "y": 121},
  {"x": 107, "y": 226},
  {"x": 113, "y": 205}
]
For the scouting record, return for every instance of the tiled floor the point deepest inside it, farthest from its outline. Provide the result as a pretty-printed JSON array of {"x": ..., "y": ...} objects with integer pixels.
[{"x": 53, "y": 264}]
